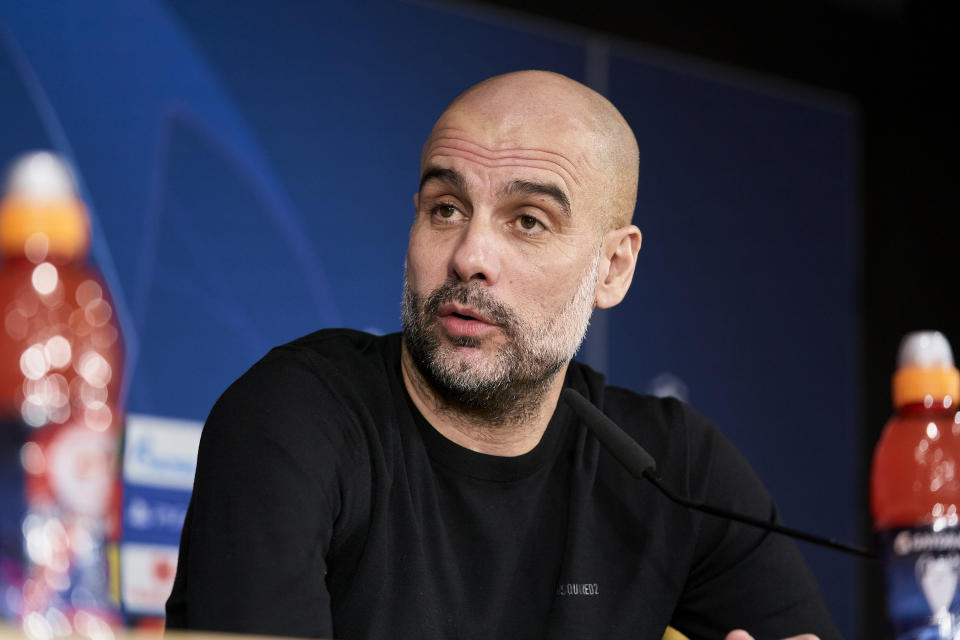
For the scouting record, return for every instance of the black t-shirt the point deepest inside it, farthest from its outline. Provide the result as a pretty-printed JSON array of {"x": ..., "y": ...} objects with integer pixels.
[{"x": 325, "y": 505}]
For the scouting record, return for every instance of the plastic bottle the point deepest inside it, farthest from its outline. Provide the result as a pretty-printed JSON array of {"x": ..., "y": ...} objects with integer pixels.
[
  {"x": 915, "y": 492},
  {"x": 61, "y": 359}
]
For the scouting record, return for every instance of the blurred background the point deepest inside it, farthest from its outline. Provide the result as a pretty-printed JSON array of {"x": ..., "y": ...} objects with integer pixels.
[{"x": 249, "y": 169}]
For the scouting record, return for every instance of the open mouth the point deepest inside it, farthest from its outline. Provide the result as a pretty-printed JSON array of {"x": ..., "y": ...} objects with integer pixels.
[{"x": 459, "y": 321}]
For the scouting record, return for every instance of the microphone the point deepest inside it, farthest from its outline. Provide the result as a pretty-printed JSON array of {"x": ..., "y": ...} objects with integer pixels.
[{"x": 641, "y": 464}]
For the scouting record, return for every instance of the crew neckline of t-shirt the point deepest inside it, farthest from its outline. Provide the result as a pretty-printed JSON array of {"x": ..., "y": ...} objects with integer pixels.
[
  {"x": 478, "y": 465},
  {"x": 484, "y": 466}
]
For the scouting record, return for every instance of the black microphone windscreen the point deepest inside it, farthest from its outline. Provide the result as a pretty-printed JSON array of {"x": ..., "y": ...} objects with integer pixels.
[{"x": 624, "y": 448}]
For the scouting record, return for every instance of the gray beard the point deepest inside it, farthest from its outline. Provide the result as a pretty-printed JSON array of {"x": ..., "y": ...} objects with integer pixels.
[
  {"x": 508, "y": 397},
  {"x": 512, "y": 389}
]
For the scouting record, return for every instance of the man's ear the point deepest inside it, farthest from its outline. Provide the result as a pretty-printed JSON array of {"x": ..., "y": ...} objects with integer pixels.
[{"x": 618, "y": 258}]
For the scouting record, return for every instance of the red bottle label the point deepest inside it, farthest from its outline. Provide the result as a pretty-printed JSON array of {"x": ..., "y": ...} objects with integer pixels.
[{"x": 57, "y": 553}]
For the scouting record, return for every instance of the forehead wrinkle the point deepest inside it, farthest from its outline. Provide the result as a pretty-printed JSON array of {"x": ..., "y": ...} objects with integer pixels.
[
  {"x": 460, "y": 143},
  {"x": 547, "y": 166},
  {"x": 532, "y": 153},
  {"x": 513, "y": 161}
]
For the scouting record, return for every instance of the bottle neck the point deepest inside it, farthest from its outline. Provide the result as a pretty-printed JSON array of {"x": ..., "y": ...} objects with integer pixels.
[
  {"x": 939, "y": 406},
  {"x": 55, "y": 259}
]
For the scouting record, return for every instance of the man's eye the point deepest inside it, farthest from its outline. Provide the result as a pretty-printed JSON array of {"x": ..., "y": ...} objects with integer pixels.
[
  {"x": 528, "y": 223},
  {"x": 445, "y": 211}
]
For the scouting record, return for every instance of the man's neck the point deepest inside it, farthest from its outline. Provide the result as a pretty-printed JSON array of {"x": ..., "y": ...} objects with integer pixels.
[{"x": 510, "y": 439}]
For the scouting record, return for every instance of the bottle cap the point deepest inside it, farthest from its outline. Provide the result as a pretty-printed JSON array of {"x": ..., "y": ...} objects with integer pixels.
[
  {"x": 40, "y": 214},
  {"x": 925, "y": 370}
]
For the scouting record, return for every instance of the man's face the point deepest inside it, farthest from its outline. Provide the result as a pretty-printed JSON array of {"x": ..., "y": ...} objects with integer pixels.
[{"x": 503, "y": 258}]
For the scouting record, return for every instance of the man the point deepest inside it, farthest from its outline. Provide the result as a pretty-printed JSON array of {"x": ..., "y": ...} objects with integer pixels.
[{"x": 432, "y": 485}]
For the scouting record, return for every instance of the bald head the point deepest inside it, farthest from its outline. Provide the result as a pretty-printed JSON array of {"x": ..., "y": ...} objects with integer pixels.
[{"x": 577, "y": 129}]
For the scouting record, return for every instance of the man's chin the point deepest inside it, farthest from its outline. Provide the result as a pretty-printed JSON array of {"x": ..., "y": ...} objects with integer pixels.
[{"x": 463, "y": 358}]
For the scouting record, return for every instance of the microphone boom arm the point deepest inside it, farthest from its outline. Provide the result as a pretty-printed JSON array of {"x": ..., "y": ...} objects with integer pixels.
[
  {"x": 641, "y": 464},
  {"x": 650, "y": 475}
]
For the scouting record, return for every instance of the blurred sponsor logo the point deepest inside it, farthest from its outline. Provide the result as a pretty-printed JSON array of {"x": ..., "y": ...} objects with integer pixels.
[
  {"x": 147, "y": 573},
  {"x": 143, "y": 514},
  {"x": 161, "y": 452},
  {"x": 82, "y": 466},
  {"x": 915, "y": 542}
]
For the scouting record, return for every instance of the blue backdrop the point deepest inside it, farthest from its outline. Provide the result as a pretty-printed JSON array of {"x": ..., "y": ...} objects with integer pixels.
[{"x": 250, "y": 169}]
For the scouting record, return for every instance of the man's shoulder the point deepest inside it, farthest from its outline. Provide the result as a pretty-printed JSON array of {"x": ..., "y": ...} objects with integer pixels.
[
  {"x": 626, "y": 401},
  {"x": 346, "y": 344},
  {"x": 319, "y": 393},
  {"x": 664, "y": 425},
  {"x": 338, "y": 354},
  {"x": 628, "y": 408},
  {"x": 323, "y": 369},
  {"x": 660, "y": 424}
]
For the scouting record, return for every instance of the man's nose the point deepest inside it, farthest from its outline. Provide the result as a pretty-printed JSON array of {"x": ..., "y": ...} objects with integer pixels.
[{"x": 476, "y": 255}]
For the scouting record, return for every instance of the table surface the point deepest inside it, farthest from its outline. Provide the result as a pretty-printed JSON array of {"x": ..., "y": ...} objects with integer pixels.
[{"x": 12, "y": 632}]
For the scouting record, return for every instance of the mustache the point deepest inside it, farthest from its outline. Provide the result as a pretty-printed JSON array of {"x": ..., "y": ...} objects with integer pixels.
[{"x": 474, "y": 296}]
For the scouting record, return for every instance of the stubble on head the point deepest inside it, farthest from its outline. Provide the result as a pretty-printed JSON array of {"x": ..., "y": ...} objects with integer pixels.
[{"x": 535, "y": 99}]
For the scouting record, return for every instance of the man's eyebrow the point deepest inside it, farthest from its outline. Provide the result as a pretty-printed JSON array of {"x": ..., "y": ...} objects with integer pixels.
[
  {"x": 451, "y": 177},
  {"x": 552, "y": 191}
]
